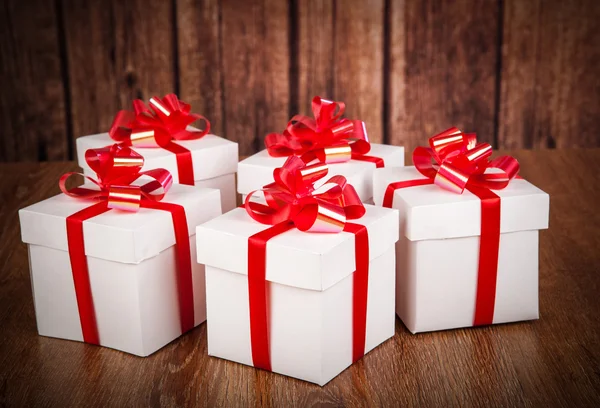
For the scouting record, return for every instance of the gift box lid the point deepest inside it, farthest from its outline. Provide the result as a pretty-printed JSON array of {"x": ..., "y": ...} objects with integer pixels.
[
  {"x": 302, "y": 259},
  {"x": 212, "y": 156},
  {"x": 120, "y": 236},
  {"x": 430, "y": 212},
  {"x": 257, "y": 170}
]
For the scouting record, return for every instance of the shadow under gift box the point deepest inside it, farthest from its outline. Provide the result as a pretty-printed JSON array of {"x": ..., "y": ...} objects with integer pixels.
[
  {"x": 132, "y": 267},
  {"x": 309, "y": 283},
  {"x": 257, "y": 170},
  {"x": 214, "y": 160},
  {"x": 438, "y": 251}
]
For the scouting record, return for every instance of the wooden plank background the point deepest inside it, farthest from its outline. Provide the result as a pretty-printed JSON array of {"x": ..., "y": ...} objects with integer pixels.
[{"x": 520, "y": 73}]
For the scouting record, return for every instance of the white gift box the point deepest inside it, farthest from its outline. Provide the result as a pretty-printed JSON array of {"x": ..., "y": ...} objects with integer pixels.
[
  {"x": 214, "y": 161},
  {"x": 132, "y": 268},
  {"x": 438, "y": 251},
  {"x": 310, "y": 282},
  {"x": 257, "y": 170}
]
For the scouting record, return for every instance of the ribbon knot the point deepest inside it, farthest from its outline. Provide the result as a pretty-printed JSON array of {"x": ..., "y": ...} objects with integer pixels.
[
  {"x": 293, "y": 197},
  {"x": 156, "y": 125},
  {"x": 455, "y": 159},
  {"x": 327, "y": 137},
  {"x": 117, "y": 167}
]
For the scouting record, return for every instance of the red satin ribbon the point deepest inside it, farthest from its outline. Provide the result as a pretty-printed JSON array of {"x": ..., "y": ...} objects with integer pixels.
[
  {"x": 489, "y": 246},
  {"x": 160, "y": 125},
  {"x": 327, "y": 138},
  {"x": 360, "y": 289},
  {"x": 291, "y": 203},
  {"x": 455, "y": 161},
  {"x": 119, "y": 164},
  {"x": 79, "y": 268},
  {"x": 185, "y": 165},
  {"x": 257, "y": 291},
  {"x": 379, "y": 163}
]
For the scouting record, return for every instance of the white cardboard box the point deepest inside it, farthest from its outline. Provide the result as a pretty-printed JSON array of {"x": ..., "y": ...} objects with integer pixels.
[
  {"x": 132, "y": 267},
  {"x": 214, "y": 159},
  {"x": 438, "y": 251},
  {"x": 257, "y": 170},
  {"x": 310, "y": 281}
]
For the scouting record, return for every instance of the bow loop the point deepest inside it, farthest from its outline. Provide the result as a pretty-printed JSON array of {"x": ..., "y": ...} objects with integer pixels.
[
  {"x": 117, "y": 168},
  {"x": 158, "y": 124},
  {"x": 325, "y": 137},
  {"x": 293, "y": 197},
  {"x": 455, "y": 159},
  {"x": 326, "y": 112}
]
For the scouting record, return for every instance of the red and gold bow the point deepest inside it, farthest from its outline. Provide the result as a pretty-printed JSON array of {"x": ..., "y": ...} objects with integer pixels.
[
  {"x": 165, "y": 119},
  {"x": 455, "y": 160},
  {"x": 117, "y": 167},
  {"x": 293, "y": 197},
  {"x": 327, "y": 137}
]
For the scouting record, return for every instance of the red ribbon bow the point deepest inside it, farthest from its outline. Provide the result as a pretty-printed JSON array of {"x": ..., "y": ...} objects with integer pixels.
[
  {"x": 455, "y": 159},
  {"x": 117, "y": 167},
  {"x": 164, "y": 120},
  {"x": 294, "y": 197},
  {"x": 327, "y": 137}
]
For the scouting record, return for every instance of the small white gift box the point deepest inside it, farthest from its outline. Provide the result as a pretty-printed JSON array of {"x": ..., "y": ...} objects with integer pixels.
[
  {"x": 437, "y": 254},
  {"x": 214, "y": 161},
  {"x": 257, "y": 170},
  {"x": 133, "y": 272},
  {"x": 309, "y": 280}
]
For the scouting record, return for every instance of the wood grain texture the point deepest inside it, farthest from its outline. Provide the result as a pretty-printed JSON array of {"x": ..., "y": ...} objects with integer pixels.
[
  {"x": 33, "y": 125},
  {"x": 443, "y": 60},
  {"x": 117, "y": 51},
  {"x": 358, "y": 62},
  {"x": 256, "y": 65},
  {"x": 521, "y": 74},
  {"x": 199, "y": 59},
  {"x": 340, "y": 57},
  {"x": 315, "y": 55},
  {"x": 550, "y": 362},
  {"x": 549, "y": 79}
]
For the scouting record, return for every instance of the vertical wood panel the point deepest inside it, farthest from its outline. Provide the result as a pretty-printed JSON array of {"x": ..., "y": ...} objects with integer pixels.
[
  {"x": 199, "y": 46},
  {"x": 443, "y": 61},
  {"x": 117, "y": 51},
  {"x": 358, "y": 61},
  {"x": 409, "y": 67},
  {"x": 315, "y": 52},
  {"x": 341, "y": 57},
  {"x": 550, "y": 77},
  {"x": 32, "y": 124},
  {"x": 255, "y": 46}
]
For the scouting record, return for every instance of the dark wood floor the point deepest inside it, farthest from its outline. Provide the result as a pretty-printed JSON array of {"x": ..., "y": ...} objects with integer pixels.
[{"x": 551, "y": 362}]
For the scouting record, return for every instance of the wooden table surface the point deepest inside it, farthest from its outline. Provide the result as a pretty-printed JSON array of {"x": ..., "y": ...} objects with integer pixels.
[{"x": 554, "y": 361}]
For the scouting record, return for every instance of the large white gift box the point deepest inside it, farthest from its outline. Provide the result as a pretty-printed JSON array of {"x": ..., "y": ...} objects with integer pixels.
[
  {"x": 131, "y": 259},
  {"x": 309, "y": 278},
  {"x": 257, "y": 170},
  {"x": 437, "y": 254},
  {"x": 214, "y": 161}
]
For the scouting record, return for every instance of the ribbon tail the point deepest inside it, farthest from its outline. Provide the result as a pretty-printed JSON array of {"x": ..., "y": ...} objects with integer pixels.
[
  {"x": 379, "y": 163},
  {"x": 185, "y": 165},
  {"x": 489, "y": 245},
  {"x": 360, "y": 289},
  {"x": 388, "y": 198},
  {"x": 185, "y": 288},
  {"x": 257, "y": 291},
  {"x": 80, "y": 271}
]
